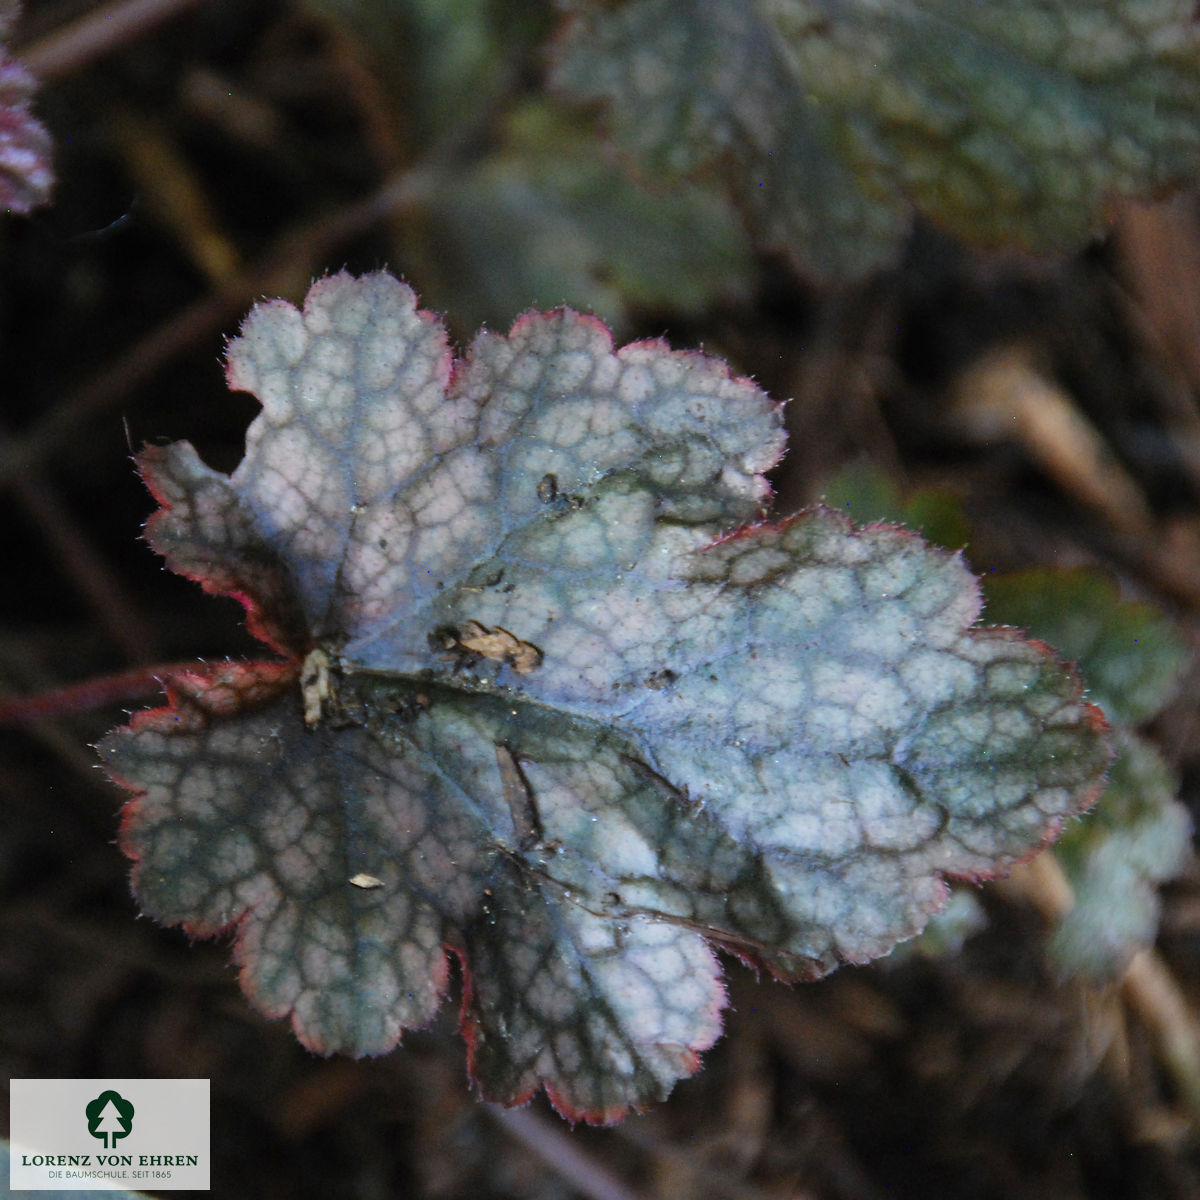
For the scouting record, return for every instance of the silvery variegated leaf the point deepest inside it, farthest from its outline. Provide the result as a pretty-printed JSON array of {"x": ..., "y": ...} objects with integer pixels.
[{"x": 553, "y": 696}]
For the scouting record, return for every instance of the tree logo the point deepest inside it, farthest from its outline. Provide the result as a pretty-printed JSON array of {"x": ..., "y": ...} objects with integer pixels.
[{"x": 109, "y": 1116}]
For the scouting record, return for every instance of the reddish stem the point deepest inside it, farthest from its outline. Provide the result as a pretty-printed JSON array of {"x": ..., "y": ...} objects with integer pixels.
[{"x": 104, "y": 690}]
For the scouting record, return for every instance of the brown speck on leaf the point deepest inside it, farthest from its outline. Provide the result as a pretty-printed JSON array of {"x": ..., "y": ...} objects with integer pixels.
[{"x": 547, "y": 489}]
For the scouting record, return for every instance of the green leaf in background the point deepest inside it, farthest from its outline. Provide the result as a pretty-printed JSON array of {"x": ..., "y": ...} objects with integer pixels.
[
  {"x": 1138, "y": 836},
  {"x": 442, "y": 63},
  {"x": 947, "y": 931},
  {"x": 866, "y": 494},
  {"x": 545, "y": 220},
  {"x": 528, "y": 210},
  {"x": 1002, "y": 122},
  {"x": 1129, "y": 654}
]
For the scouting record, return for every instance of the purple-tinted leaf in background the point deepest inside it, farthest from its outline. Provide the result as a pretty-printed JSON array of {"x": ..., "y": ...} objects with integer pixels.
[
  {"x": 554, "y": 701},
  {"x": 25, "y": 173}
]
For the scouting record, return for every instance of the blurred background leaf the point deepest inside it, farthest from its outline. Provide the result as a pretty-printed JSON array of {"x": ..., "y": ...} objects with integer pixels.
[
  {"x": 1138, "y": 836},
  {"x": 1004, "y": 123},
  {"x": 1132, "y": 658},
  {"x": 867, "y": 494}
]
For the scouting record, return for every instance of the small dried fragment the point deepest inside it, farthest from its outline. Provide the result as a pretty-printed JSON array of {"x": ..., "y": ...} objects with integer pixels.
[
  {"x": 365, "y": 881},
  {"x": 522, "y": 805},
  {"x": 316, "y": 686},
  {"x": 498, "y": 645}
]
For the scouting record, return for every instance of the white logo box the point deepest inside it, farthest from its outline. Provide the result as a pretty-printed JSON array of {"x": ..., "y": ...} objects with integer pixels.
[{"x": 58, "y": 1143}]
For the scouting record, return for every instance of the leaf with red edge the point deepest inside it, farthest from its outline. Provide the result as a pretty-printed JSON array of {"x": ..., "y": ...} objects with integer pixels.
[
  {"x": 26, "y": 176},
  {"x": 556, "y": 701}
]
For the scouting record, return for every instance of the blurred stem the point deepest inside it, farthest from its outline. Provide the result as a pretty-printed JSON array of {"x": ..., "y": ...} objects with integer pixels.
[
  {"x": 1147, "y": 986},
  {"x": 54, "y": 739},
  {"x": 1150, "y": 990},
  {"x": 174, "y": 194},
  {"x": 101, "y": 32},
  {"x": 295, "y": 253},
  {"x": 81, "y": 562},
  {"x": 845, "y": 349},
  {"x": 560, "y": 1154}
]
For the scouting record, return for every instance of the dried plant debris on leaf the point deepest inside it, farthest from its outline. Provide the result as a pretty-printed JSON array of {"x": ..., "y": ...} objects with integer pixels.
[{"x": 583, "y": 745}]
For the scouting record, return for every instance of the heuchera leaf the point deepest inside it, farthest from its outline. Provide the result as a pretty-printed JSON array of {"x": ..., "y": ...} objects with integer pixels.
[
  {"x": 25, "y": 173},
  {"x": 554, "y": 701},
  {"x": 1131, "y": 655},
  {"x": 1139, "y": 834},
  {"x": 1138, "y": 837},
  {"x": 867, "y": 494},
  {"x": 543, "y": 215},
  {"x": 948, "y": 930},
  {"x": 1003, "y": 122}
]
